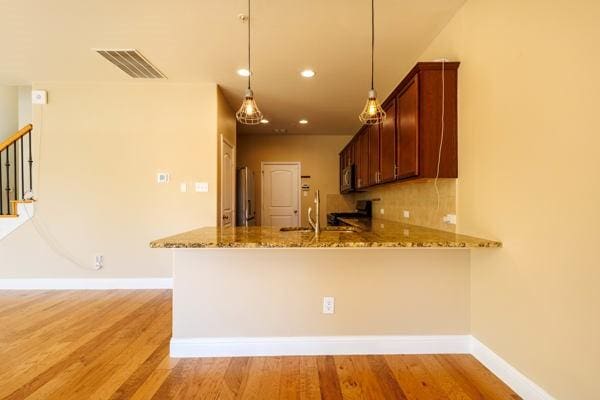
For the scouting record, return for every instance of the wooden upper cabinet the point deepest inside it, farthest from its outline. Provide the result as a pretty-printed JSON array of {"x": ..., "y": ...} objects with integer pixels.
[
  {"x": 362, "y": 159},
  {"x": 373, "y": 154},
  {"x": 350, "y": 154},
  {"x": 432, "y": 143},
  {"x": 414, "y": 138},
  {"x": 407, "y": 121},
  {"x": 387, "y": 144}
]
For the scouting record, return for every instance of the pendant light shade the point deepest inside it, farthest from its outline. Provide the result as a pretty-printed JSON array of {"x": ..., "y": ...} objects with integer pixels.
[
  {"x": 249, "y": 114},
  {"x": 372, "y": 114}
]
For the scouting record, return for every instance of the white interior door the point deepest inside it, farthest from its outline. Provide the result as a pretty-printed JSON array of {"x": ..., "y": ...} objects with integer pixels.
[
  {"x": 227, "y": 184},
  {"x": 280, "y": 194}
]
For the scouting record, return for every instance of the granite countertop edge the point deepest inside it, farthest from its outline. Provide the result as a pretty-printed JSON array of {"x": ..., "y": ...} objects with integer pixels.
[{"x": 394, "y": 235}]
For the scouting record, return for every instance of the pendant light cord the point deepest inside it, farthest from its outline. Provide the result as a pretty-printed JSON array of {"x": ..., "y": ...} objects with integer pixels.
[
  {"x": 249, "y": 69},
  {"x": 372, "y": 43}
]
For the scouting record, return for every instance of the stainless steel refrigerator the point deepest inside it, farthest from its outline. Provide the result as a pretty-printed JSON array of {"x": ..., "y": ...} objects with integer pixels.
[{"x": 245, "y": 201}]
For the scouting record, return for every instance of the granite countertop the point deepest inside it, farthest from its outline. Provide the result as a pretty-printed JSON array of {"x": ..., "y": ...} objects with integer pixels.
[{"x": 375, "y": 233}]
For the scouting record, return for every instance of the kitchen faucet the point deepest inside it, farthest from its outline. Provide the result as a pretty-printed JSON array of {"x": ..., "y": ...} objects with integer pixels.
[{"x": 315, "y": 224}]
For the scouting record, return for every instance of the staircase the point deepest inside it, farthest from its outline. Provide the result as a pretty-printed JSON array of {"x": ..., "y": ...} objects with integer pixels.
[{"x": 16, "y": 180}]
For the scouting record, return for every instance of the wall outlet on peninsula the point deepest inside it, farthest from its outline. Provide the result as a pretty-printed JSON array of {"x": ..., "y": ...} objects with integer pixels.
[
  {"x": 328, "y": 305},
  {"x": 98, "y": 261}
]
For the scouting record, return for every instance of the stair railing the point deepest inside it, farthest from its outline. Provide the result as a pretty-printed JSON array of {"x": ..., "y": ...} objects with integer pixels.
[{"x": 16, "y": 172}]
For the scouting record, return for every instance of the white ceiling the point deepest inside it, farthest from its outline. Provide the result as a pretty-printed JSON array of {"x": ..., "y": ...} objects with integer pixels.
[{"x": 204, "y": 41}]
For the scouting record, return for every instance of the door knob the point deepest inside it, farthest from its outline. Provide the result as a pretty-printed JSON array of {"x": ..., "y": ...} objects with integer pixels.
[{"x": 295, "y": 211}]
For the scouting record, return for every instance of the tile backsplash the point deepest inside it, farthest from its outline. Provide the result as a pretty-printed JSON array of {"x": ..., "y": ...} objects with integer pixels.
[
  {"x": 419, "y": 198},
  {"x": 340, "y": 203}
]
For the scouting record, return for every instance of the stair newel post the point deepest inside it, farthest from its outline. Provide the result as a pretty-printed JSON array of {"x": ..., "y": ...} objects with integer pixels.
[
  {"x": 30, "y": 163},
  {"x": 15, "y": 172},
  {"x": 1, "y": 202},
  {"x": 7, "y": 189},
  {"x": 22, "y": 170}
]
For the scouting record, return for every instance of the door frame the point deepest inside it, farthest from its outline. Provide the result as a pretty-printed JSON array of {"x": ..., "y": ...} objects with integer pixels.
[
  {"x": 233, "y": 177},
  {"x": 262, "y": 178}
]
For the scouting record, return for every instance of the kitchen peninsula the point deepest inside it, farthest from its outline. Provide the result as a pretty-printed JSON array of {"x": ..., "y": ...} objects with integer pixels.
[{"x": 259, "y": 290}]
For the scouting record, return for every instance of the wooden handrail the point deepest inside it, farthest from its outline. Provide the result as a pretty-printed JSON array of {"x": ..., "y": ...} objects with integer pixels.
[{"x": 16, "y": 136}]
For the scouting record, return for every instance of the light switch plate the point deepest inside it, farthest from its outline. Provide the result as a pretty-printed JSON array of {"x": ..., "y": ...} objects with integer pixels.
[
  {"x": 183, "y": 187},
  {"x": 406, "y": 214},
  {"x": 201, "y": 187},
  {"x": 39, "y": 97},
  {"x": 162, "y": 177}
]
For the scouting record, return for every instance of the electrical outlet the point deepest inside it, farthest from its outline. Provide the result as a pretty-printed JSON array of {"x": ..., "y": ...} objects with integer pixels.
[
  {"x": 381, "y": 211},
  {"x": 98, "y": 261},
  {"x": 328, "y": 305},
  {"x": 406, "y": 214},
  {"x": 450, "y": 219}
]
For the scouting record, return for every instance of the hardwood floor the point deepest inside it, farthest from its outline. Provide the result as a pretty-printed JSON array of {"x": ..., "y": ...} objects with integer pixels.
[{"x": 115, "y": 345}]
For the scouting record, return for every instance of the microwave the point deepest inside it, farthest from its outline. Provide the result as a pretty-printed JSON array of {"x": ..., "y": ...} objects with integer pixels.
[{"x": 347, "y": 181}]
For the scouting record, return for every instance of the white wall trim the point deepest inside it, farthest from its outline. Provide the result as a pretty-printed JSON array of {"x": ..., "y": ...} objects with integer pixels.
[
  {"x": 518, "y": 382},
  {"x": 84, "y": 283},
  {"x": 318, "y": 345}
]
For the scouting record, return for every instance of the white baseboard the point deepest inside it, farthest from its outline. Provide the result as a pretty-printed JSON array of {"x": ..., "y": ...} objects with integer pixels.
[
  {"x": 518, "y": 382},
  {"x": 344, "y": 345},
  {"x": 318, "y": 345},
  {"x": 86, "y": 284}
]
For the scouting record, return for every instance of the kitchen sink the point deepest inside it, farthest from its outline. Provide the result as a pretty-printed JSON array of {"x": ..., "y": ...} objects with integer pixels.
[
  {"x": 296, "y": 229},
  {"x": 341, "y": 229}
]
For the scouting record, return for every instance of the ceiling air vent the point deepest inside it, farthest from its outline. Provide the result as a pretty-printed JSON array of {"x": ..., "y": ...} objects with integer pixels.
[{"x": 132, "y": 62}]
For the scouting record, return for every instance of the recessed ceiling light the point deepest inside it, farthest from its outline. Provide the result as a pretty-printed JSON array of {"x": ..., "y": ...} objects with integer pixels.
[
  {"x": 264, "y": 121},
  {"x": 308, "y": 73},
  {"x": 243, "y": 72},
  {"x": 303, "y": 121}
]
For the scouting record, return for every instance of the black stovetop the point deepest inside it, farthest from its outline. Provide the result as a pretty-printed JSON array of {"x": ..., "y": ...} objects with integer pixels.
[{"x": 363, "y": 210}]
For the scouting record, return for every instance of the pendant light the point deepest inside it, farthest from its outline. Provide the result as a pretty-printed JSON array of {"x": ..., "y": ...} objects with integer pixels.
[
  {"x": 249, "y": 114},
  {"x": 372, "y": 114}
]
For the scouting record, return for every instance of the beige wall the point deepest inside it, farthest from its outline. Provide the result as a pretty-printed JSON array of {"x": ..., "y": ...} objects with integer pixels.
[
  {"x": 98, "y": 148},
  {"x": 529, "y": 162},
  {"x": 9, "y": 111},
  {"x": 318, "y": 155},
  {"x": 25, "y": 106},
  {"x": 377, "y": 292},
  {"x": 226, "y": 126}
]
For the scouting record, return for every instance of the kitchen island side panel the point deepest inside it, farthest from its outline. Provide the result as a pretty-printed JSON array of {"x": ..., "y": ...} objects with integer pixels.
[{"x": 279, "y": 292}]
